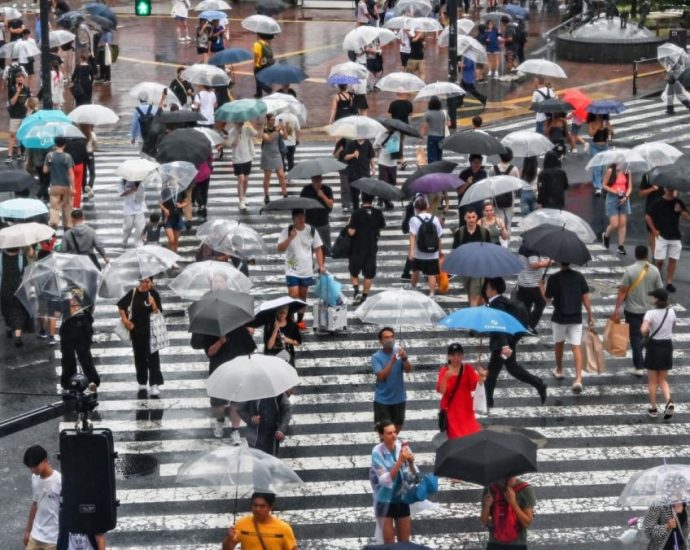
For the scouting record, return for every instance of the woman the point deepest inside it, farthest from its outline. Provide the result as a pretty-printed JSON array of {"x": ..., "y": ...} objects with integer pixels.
[
  {"x": 494, "y": 225},
  {"x": 82, "y": 81},
  {"x": 271, "y": 158},
  {"x": 658, "y": 324},
  {"x": 556, "y": 129},
  {"x": 76, "y": 147},
  {"x": 135, "y": 310},
  {"x": 200, "y": 185},
  {"x": 618, "y": 187},
  {"x": 12, "y": 264},
  {"x": 105, "y": 42},
  {"x": 667, "y": 526},
  {"x": 530, "y": 283},
  {"x": 292, "y": 131},
  {"x": 241, "y": 139},
  {"x": 493, "y": 48},
  {"x": 599, "y": 129},
  {"x": 552, "y": 183},
  {"x": 434, "y": 128},
  {"x": 217, "y": 37},
  {"x": 281, "y": 336},
  {"x": 528, "y": 193},
  {"x": 76, "y": 333},
  {"x": 203, "y": 40},
  {"x": 261, "y": 520},
  {"x": 387, "y": 165},
  {"x": 456, "y": 382},
  {"x": 57, "y": 86},
  {"x": 90, "y": 167},
  {"x": 342, "y": 104},
  {"x": 173, "y": 222},
  {"x": 180, "y": 12}
]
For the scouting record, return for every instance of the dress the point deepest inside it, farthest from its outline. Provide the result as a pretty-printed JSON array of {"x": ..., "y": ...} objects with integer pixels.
[
  {"x": 16, "y": 317},
  {"x": 271, "y": 158},
  {"x": 460, "y": 412}
]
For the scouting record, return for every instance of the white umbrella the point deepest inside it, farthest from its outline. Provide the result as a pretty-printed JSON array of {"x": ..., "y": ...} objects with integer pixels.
[
  {"x": 213, "y": 5},
  {"x": 626, "y": 158},
  {"x": 414, "y": 8},
  {"x": 349, "y": 69},
  {"x": 247, "y": 378},
  {"x": 200, "y": 277},
  {"x": 148, "y": 260},
  {"x": 24, "y": 234},
  {"x": 561, "y": 218},
  {"x": 60, "y": 37},
  {"x": 262, "y": 24},
  {"x": 19, "y": 49},
  {"x": 400, "y": 82},
  {"x": 10, "y": 13},
  {"x": 360, "y": 37},
  {"x": 465, "y": 26},
  {"x": 154, "y": 91},
  {"x": 658, "y": 153},
  {"x": 214, "y": 137},
  {"x": 489, "y": 188},
  {"x": 205, "y": 75},
  {"x": 424, "y": 24},
  {"x": 442, "y": 90},
  {"x": 93, "y": 114},
  {"x": 542, "y": 67},
  {"x": 527, "y": 143},
  {"x": 135, "y": 169},
  {"x": 400, "y": 308},
  {"x": 356, "y": 127},
  {"x": 286, "y": 103},
  {"x": 472, "y": 49}
]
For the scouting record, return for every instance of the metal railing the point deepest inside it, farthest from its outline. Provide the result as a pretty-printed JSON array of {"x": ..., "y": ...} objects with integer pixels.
[{"x": 636, "y": 72}]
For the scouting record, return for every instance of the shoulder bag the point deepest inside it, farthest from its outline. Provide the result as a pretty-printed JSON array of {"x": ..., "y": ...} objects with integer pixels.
[
  {"x": 259, "y": 535},
  {"x": 121, "y": 330},
  {"x": 158, "y": 336},
  {"x": 443, "y": 414},
  {"x": 646, "y": 339}
]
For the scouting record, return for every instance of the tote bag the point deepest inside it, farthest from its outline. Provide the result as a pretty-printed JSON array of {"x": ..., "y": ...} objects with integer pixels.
[{"x": 159, "y": 333}]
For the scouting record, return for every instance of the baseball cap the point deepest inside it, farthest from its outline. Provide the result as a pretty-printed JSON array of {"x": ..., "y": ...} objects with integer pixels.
[
  {"x": 660, "y": 294},
  {"x": 455, "y": 348}
]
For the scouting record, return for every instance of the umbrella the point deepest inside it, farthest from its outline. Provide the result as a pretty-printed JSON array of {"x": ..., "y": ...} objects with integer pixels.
[
  {"x": 241, "y": 110},
  {"x": 516, "y": 11},
  {"x": 177, "y": 176},
  {"x": 626, "y": 158},
  {"x": 437, "y": 182},
  {"x": 471, "y": 48},
  {"x": 282, "y": 73},
  {"x": 399, "y": 308},
  {"x": 606, "y": 107},
  {"x": 684, "y": 78},
  {"x": 270, "y": 7},
  {"x": 431, "y": 168},
  {"x": 315, "y": 167},
  {"x": 495, "y": 16},
  {"x": 232, "y": 238},
  {"x": 135, "y": 169},
  {"x": 486, "y": 457},
  {"x": 101, "y": 11},
  {"x": 219, "y": 312},
  {"x": 542, "y": 67},
  {"x": 558, "y": 243},
  {"x": 266, "y": 312},
  {"x": 356, "y": 127},
  {"x": 60, "y": 37},
  {"x": 659, "y": 486},
  {"x": 489, "y": 188},
  {"x": 103, "y": 22},
  {"x": 93, "y": 114},
  {"x": 377, "y": 188},
  {"x": 10, "y": 13},
  {"x": 552, "y": 105},
  {"x": 198, "y": 278},
  {"x": 24, "y": 234},
  {"x": 465, "y": 26},
  {"x": 154, "y": 91},
  {"x": 357, "y": 39},
  {"x": 483, "y": 319},
  {"x": 205, "y": 75},
  {"x": 148, "y": 261},
  {"x": 212, "y": 15},
  {"x": 560, "y": 218},
  {"x": 349, "y": 69},
  {"x": 673, "y": 176},
  {"x": 669, "y": 54},
  {"x": 183, "y": 144},
  {"x": 482, "y": 260},
  {"x": 292, "y": 203},
  {"x": 420, "y": 8},
  {"x": 579, "y": 101},
  {"x": 70, "y": 20},
  {"x": 285, "y": 103},
  {"x": 213, "y": 5},
  {"x": 342, "y": 80},
  {"x": 230, "y": 56},
  {"x": 261, "y": 24},
  {"x": 14, "y": 180},
  {"x": 400, "y": 83},
  {"x": 22, "y": 209},
  {"x": 180, "y": 117},
  {"x": 399, "y": 126},
  {"x": 19, "y": 49},
  {"x": 527, "y": 143},
  {"x": 473, "y": 141},
  {"x": 658, "y": 153},
  {"x": 442, "y": 90},
  {"x": 214, "y": 138},
  {"x": 423, "y": 24},
  {"x": 40, "y": 117},
  {"x": 42, "y": 136}
]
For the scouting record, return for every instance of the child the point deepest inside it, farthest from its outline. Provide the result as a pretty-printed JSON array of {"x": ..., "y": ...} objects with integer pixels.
[{"x": 152, "y": 230}]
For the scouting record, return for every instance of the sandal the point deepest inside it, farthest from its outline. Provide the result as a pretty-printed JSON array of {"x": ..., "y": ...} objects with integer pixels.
[
  {"x": 668, "y": 411},
  {"x": 652, "y": 412}
]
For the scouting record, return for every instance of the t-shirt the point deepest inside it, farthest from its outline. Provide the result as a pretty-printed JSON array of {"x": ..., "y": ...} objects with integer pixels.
[
  {"x": 666, "y": 219},
  {"x": 654, "y": 317},
  {"x": 367, "y": 223},
  {"x": 404, "y": 38},
  {"x": 140, "y": 312},
  {"x": 638, "y": 300},
  {"x": 401, "y": 109},
  {"x": 390, "y": 391},
  {"x": 18, "y": 110},
  {"x": 539, "y": 95},
  {"x": 46, "y": 495},
  {"x": 469, "y": 71},
  {"x": 646, "y": 183},
  {"x": 275, "y": 533},
  {"x": 207, "y": 105},
  {"x": 415, "y": 224},
  {"x": 530, "y": 277},
  {"x": 60, "y": 164},
  {"x": 135, "y": 202},
  {"x": 317, "y": 217},
  {"x": 463, "y": 236},
  {"x": 299, "y": 254},
  {"x": 244, "y": 150},
  {"x": 525, "y": 499},
  {"x": 567, "y": 288},
  {"x": 359, "y": 167},
  {"x": 436, "y": 122}
]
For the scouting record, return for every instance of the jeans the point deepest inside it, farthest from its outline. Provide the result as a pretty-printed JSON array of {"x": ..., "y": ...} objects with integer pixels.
[
  {"x": 597, "y": 173},
  {"x": 534, "y": 302},
  {"x": 528, "y": 201},
  {"x": 634, "y": 321},
  {"x": 433, "y": 148},
  {"x": 496, "y": 363}
]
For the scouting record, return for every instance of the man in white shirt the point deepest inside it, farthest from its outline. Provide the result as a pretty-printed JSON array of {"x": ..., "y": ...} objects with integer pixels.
[
  {"x": 133, "y": 210},
  {"x": 205, "y": 102},
  {"x": 424, "y": 254},
  {"x": 504, "y": 202},
  {"x": 541, "y": 92},
  {"x": 41, "y": 531}
]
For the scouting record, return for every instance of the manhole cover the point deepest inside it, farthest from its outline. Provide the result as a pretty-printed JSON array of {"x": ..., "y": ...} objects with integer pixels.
[{"x": 134, "y": 465}]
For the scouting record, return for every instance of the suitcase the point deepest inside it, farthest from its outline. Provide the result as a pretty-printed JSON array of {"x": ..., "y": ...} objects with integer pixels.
[{"x": 329, "y": 319}]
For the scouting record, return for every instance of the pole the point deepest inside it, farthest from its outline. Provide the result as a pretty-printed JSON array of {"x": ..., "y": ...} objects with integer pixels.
[
  {"x": 44, "y": 7},
  {"x": 452, "y": 7}
]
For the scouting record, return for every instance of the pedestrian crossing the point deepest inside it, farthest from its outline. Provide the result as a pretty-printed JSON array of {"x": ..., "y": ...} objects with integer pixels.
[{"x": 594, "y": 442}]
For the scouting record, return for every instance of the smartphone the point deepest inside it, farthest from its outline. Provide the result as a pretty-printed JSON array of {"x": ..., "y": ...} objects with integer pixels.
[
  {"x": 165, "y": 91},
  {"x": 290, "y": 228}
]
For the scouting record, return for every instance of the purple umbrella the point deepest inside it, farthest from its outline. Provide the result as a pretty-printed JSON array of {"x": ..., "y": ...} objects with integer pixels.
[
  {"x": 338, "y": 79},
  {"x": 435, "y": 183}
]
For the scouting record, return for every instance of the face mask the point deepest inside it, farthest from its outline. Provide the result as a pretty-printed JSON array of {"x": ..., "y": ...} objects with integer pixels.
[{"x": 388, "y": 343}]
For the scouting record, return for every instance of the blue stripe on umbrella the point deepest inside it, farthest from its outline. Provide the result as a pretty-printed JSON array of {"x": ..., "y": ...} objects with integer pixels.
[
  {"x": 483, "y": 319},
  {"x": 606, "y": 107},
  {"x": 338, "y": 79}
]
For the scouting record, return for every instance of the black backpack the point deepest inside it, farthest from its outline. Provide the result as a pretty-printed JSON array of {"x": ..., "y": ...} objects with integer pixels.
[
  {"x": 427, "y": 236},
  {"x": 504, "y": 200},
  {"x": 145, "y": 121}
]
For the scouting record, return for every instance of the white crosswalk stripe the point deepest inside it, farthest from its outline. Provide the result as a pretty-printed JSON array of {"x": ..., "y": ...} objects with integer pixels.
[{"x": 594, "y": 441}]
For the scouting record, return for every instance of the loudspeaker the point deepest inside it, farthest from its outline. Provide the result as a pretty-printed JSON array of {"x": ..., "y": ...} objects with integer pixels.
[{"x": 87, "y": 462}]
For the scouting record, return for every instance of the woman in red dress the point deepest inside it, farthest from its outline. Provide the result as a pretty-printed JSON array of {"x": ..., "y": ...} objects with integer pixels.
[{"x": 456, "y": 393}]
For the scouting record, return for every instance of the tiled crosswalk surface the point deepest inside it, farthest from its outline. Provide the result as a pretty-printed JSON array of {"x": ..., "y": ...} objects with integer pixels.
[{"x": 595, "y": 441}]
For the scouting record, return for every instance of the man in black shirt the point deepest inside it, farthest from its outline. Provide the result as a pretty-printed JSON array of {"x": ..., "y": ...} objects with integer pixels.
[
  {"x": 651, "y": 192},
  {"x": 472, "y": 174},
  {"x": 471, "y": 232},
  {"x": 401, "y": 108},
  {"x": 318, "y": 218},
  {"x": 364, "y": 227},
  {"x": 182, "y": 89},
  {"x": 663, "y": 219},
  {"x": 18, "y": 94},
  {"x": 359, "y": 156}
]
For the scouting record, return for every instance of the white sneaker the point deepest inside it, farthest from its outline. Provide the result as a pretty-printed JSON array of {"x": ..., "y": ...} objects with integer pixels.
[
  {"x": 637, "y": 372},
  {"x": 558, "y": 375},
  {"x": 243, "y": 205},
  {"x": 217, "y": 426},
  {"x": 235, "y": 436},
  {"x": 143, "y": 387},
  {"x": 155, "y": 390},
  {"x": 586, "y": 147}
]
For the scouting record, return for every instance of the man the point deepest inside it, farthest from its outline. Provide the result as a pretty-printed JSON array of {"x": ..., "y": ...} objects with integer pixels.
[
  {"x": 142, "y": 119},
  {"x": 261, "y": 530},
  {"x": 663, "y": 219},
  {"x": 472, "y": 174},
  {"x": 82, "y": 239},
  {"x": 133, "y": 210},
  {"x": 415, "y": 63},
  {"x": 182, "y": 89},
  {"x": 364, "y": 228},
  {"x": 503, "y": 346},
  {"x": 263, "y": 57},
  {"x": 300, "y": 243},
  {"x": 541, "y": 92},
  {"x": 471, "y": 232},
  {"x": 361, "y": 162},
  {"x": 425, "y": 245},
  {"x": 400, "y": 109},
  {"x": 497, "y": 501},
  {"x": 508, "y": 39},
  {"x": 318, "y": 218},
  {"x": 60, "y": 166},
  {"x": 268, "y": 420},
  {"x": 639, "y": 279},
  {"x": 504, "y": 201},
  {"x": 17, "y": 93},
  {"x": 569, "y": 291},
  {"x": 389, "y": 365},
  {"x": 41, "y": 531},
  {"x": 468, "y": 81}
]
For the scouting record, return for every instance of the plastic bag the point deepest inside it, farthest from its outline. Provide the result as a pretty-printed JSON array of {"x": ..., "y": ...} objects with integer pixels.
[
  {"x": 328, "y": 289},
  {"x": 479, "y": 399}
]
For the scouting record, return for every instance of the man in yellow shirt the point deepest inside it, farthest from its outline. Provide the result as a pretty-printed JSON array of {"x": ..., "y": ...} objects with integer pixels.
[
  {"x": 263, "y": 57},
  {"x": 261, "y": 530}
]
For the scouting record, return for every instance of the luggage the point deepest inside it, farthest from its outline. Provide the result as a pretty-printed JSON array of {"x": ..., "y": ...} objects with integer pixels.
[{"x": 329, "y": 319}]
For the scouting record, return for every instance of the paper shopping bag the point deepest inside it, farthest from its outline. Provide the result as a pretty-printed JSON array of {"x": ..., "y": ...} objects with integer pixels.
[
  {"x": 616, "y": 338},
  {"x": 593, "y": 352}
]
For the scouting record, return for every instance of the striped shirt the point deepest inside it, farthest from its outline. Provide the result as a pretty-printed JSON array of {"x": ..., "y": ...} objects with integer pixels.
[{"x": 530, "y": 277}]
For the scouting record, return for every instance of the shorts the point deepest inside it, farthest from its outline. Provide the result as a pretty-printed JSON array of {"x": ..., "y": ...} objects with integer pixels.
[
  {"x": 242, "y": 169},
  {"x": 393, "y": 510},
  {"x": 394, "y": 413},
  {"x": 201, "y": 51},
  {"x": 175, "y": 224},
  {"x": 302, "y": 282},
  {"x": 360, "y": 101},
  {"x": 180, "y": 18},
  {"x": 38, "y": 545},
  {"x": 404, "y": 58},
  {"x": 664, "y": 249},
  {"x": 364, "y": 264},
  {"x": 575, "y": 129},
  {"x": 428, "y": 267},
  {"x": 414, "y": 65},
  {"x": 15, "y": 123},
  {"x": 570, "y": 333},
  {"x": 615, "y": 209},
  {"x": 473, "y": 285}
]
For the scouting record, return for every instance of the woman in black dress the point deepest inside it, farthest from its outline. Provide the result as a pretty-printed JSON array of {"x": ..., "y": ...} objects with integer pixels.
[
  {"x": 281, "y": 336},
  {"x": 12, "y": 264},
  {"x": 82, "y": 81}
]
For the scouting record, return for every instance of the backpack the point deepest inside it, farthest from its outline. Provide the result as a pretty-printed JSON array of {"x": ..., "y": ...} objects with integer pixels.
[
  {"x": 427, "y": 236},
  {"x": 392, "y": 143},
  {"x": 266, "y": 58},
  {"x": 505, "y": 524},
  {"x": 145, "y": 121},
  {"x": 409, "y": 212},
  {"x": 504, "y": 200},
  {"x": 520, "y": 33}
]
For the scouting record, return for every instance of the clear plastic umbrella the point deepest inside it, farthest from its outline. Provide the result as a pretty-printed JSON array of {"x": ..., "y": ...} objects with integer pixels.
[
  {"x": 472, "y": 49},
  {"x": 232, "y": 238},
  {"x": 10, "y": 13},
  {"x": 135, "y": 169},
  {"x": 262, "y": 24},
  {"x": 527, "y": 143},
  {"x": 205, "y": 75},
  {"x": 542, "y": 67},
  {"x": 60, "y": 37},
  {"x": 176, "y": 176},
  {"x": 400, "y": 308},
  {"x": 154, "y": 91},
  {"x": 142, "y": 262},
  {"x": 93, "y": 114},
  {"x": 214, "y": 137},
  {"x": 672, "y": 57},
  {"x": 627, "y": 159},
  {"x": 489, "y": 188},
  {"x": 356, "y": 127},
  {"x": 423, "y": 24},
  {"x": 561, "y": 218},
  {"x": 661, "y": 486},
  {"x": 442, "y": 90},
  {"x": 658, "y": 153},
  {"x": 349, "y": 68},
  {"x": 218, "y": 5},
  {"x": 24, "y": 234},
  {"x": 19, "y": 49},
  {"x": 400, "y": 82},
  {"x": 465, "y": 26},
  {"x": 200, "y": 277},
  {"x": 414, "y": 8},
  {"x": 360, "y": 37}
]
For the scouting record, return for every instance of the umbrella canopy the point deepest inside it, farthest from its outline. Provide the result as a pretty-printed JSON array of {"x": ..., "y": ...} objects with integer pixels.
[
  {"x": 349, "y": 68},
  {"x": 176, "y": 176},
  {"x": 60, "y": 37},
  {"x": 606, "y": 107},
  {"x": 356, "y": 127},
  {"x": 70, "y": 20},
  {"x": 658, "y": 153},
  {"x": 135, "y": 169},
  {"x": 232, "y": 238},
  {"x": 542, "y": 67},
  {"x": 42, "y": 136},
  {"x": 22, "y": 209},
  {"x": 483, "y": 320},
  {"x": 669, "y": 54},
  {"x": 154, "y": 91},
  {"x": 41, "y": 117},
  {"x": 247, "y": 378},
  {"x": 270, "y": 7},
  {"x": 93, "y": 114},
  {"x": 578, "y": 100},
  {"x": 292, "y": 203},
  {"x": 377, "y": 188},
  {"x": 19, "y": 49},
  {"x": 445, "y": 166},
  {"x": 419, "y": 8},
  {"x": 219, "y": 312},
  {"x": 24, "y": 234},
  {"x": 315, "y": 167},
  {"x": 552, "y": 105},
  {"x": 217, "y": 5},
  {"x": 495, "y": 16},
  {"x": 627, "y": 159},
  {"x": 261, "y": 24},
  {"x": 101, "y": 10},
  {"x": 343, "y": 79},
  {"x": 200, "y": 277},
  {"x": 241, "y": 110},
  {"x": 230, "y": 56},
  {"x": 516, "y": 11},
  {"x": 285, "y": 103},
  {"x": 399, "y": 126},
  {"x": 465, "y": 26},
  {"x": 358, "y": 38},
  {"x": 103, "y": 22},
  {"x": 482, "y": 260},
  {"x": 205, "y": 75},
  {"x": 560, "y": 218},
  {"x": 14, "y": 180},
  {"x": 659, "y": 486},
  {"x": 442, "y": 90},
  {"x": 423, "y": 24},
  {"x": 180, "y": 117},
  {"x": 473, "y": 141},
  {"x": 282, "y": 73},
  {"x": 527, "y": 143},
  {"x": 399, "y": 308},
  {"x": 486, "y": 457},
  {"x": 183, "y": 144},
  {"x": 400, "y": 83},
  {"x": 673, "y": 176},
  {"x": 10, "y": 13},
  {"x": 491, "y": 187},
  {"x": 437, "y": 182},
  {"x": 214, "y": 138},
  {"x": 145, "y": 261},
  {"x": 212, "y": 15},
  {"x": 471, "y": 48},
  {"x": 558, "y": 243},
  {"x": 266, "y": 312}
]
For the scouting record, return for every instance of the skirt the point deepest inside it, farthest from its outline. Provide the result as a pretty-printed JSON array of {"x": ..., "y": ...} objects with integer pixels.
[{"x": 659, "y": 355}]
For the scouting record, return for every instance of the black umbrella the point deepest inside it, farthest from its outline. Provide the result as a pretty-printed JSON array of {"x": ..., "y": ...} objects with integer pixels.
[
  {"x": 473, "y": 141},
  {"x": 552, "y": 105},
  {"x": 558, "y": 243},
  {"x": 315, "y": 167},
  {"x": 184, "y": 144},
  {"x": 14, "y": 179},
  {"x": 70, "y": 19},
  {"x": 442, "y": 166},
  {"x": 266, "y": 312},
  {"x": 486, "y": 457},
  {"x": 378, "y": 188},
  {"x": 674, "y": 175},
  {"x": 220, "y": 311},
  {"x": 270, "y": 7},
  {"x": 400, "y": 126},
  {"x": 292, "y": 203},
  {"x": 180, "y": 117}
]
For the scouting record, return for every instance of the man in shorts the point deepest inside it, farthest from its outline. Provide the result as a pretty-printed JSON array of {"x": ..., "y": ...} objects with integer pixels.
[
  {"x": 424, "y": 261},
  {"x": 472, "y": 232},
  {"x": 17, "y": 93},
  {"x": 42, "y": 528},
  {"x": 389, "y": 365},
  {"x": 569, "y": 291}
]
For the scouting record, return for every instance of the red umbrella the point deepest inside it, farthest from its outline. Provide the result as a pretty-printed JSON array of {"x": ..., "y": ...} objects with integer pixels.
[{"x": 578, "y": 100}]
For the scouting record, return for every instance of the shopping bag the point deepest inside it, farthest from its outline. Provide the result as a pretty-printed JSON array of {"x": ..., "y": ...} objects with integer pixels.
[
  {"x": 421, "y": 156},
  {"x": 328, "y": 289},
  {"x": 122, "y": 332},
  {"x": 480, "y": 399},
  {"x": 616, "y": 338},
  {"x": 443, "y": 282},
  {"x": 593, "y": 352},
  {"x": 159, "y": 333}
]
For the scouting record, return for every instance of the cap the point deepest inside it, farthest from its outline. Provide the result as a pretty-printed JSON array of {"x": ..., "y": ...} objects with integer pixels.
[
  {"x": 455, "y": 348},
  {"x": 660, "y": 294},
  {"x": 143, "y": 96}
]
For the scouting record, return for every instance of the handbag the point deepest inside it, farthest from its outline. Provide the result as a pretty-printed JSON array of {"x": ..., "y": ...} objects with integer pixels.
[
  {"x": 646, "y": 339},
  {"x": 158, "y": 339},
  {"x": 342, "y": 245},
  {"x": 421, "y": 488},
  {"x": 593, "y": 352},
  {"x": 121, "y": 330},
  {"x": 616, "y": 338},
  {"x": 443, "y": 414},
  {"x": 479, "y": 399}
]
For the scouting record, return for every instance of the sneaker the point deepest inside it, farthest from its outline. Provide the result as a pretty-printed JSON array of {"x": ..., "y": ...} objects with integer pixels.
[
  {"x": 557, "y": 375},
  {"x": 358, "y": 299},
  {"x": 8, "y": 160},
  {"x": 243, "y": 205},
  {"x": 586, "y": 150},
  {"x": 606, "y": 240},
  {"x": 42, "y": 334},
  {"x": 267, "y": 199},
  {"x": 652, "y": 412},
  {"x": 668, "y": 411},
  {"x": 51, "y": 340},
  {"x": 235, "y": 436},
  {"x": 621, "y": 250},
  {"x": 89, "y": 191},
  {"x": 671, "y": 288},
  {"x": 597, "y": 192},
  {"x": 302, "y": 326},
  {"x": 576, "y": 388},
  {"x": 155, "y": 390},
  {"x": 217, "y": 425},
  {"x": 637, "y": 372}
]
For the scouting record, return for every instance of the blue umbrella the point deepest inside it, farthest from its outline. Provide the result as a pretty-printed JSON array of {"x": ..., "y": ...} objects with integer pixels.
[
  {"x": 241, "y": 110},
  {"x": 212, "y": 15},
  {"x": 606, "y": 107},
  {"x": 70, "y": 19},
  {"x": 229, "y": 56},
  {"x": 516, "y": 11},
  {"x": 338, "y": 79},
  {"x": 42, "y": 136},
  {"x": 41, "y": 117},
  {"x": 482, "y": 260},
  {"x": 483, "y": 319},
  {"x": 101, "y": 10},
  {"x": 22, "y": 209},
  {"x": 281, "y": 73}
]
